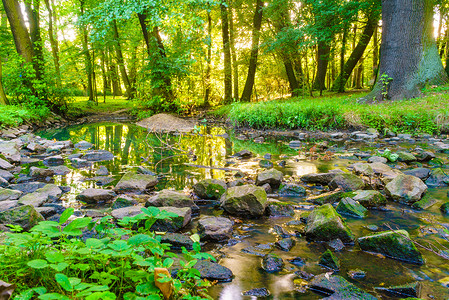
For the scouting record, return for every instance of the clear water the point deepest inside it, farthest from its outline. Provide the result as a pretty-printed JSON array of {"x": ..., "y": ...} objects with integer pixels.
[{"x": 207, "y": 154}]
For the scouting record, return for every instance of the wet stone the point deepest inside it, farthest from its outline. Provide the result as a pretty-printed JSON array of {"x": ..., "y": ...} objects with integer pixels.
[
  {"x": 83, "y": 145},
  {"x": 292, "y": 190},
  {"x": 297, "y": 261},
  {"x": 336, "y": 287},
  {"x": 243, "y": 154},
  {"x": 135, "y": 183},
  {"x": 438, "y": 178},
  {"x": 426, "y": 202},
  {"x": 102, "y": 171},
  {"x": 247, "y": 200},
  {"x": 421, "y": 173},
  {"x": 60, "y": 170},
  {"x": 98, "y": 155},
  {"x": 445, "y": 208},
  {"x": 379, "y": 159},
  {"x": 213, "y": 271},
  {"x": 272, "y": 263},
  {"x": 94, "y": 196},
  {"x": 273, "y": 177},
  {"x": 80, "y": 163},
  {"x": 56, "y": 160},
  {"x": 215, "y": 228},
  {"x": 285, "y": 244},
  {"x": 406, "y": 189},
  {"x": 356, "y": 274},
  {"x": 210, "y": 189},
  {"x": 406, "y": 290},
  {"x": 121, "y": 202},
  {"x": 25, "y": 216},
  {"x": 8, "y": 194},
  {"x": 369, "y": 198},
  {"x": 347, "y": 182},
  {"x": 278, "y": 230},
  {"x": 265, "y": 164},
  {"x": 328, "y": 260},
  {"x": 8, "y": 176},
  {"x": 257, "y": 292},
  {"x": 336, "y": 244},
  {"x": 318, "y": 178},
  {"x": 143, "y": 170},
  {"x": 349, "y": 207},
  {"x": 277, "y": 208},
  {"x": 177, "y": 240}
]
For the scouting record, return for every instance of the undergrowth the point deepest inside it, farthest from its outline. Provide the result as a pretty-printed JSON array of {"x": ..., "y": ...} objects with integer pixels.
[{"x": 12, "y": 115}]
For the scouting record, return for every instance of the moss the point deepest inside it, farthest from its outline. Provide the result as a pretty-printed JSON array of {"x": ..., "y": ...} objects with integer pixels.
[
  {"x": 328, "y": 260},
  {"x": 424, "y": 203}
]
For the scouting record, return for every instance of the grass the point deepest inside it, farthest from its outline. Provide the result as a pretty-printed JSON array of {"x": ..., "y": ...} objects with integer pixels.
[
  {"x": 82, "y": 107},
  {"x": 429, "y": 114},
  {"x": 12, "y": 115}
]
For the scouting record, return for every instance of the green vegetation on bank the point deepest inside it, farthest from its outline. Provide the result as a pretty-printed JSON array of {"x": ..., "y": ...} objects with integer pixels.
[
  {"x": 15, "y": 115},
  {"x": 429, "y": 114},
  {"x": 54, "y": 261}
]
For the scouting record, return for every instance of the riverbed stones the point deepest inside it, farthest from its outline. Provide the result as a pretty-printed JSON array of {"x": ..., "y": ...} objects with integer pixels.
[
  {"x": 94, "y": 196},
  {"x": 210, "y": 189},
  {"x": 8, "y": 204},
  {"x": 347, "y": 182},
  {"x": 318, "y": 178},
  {"x": 170, "y": 198},
  {"x": 393, "y": 244},
  {"x": 10, "y": 151},
  {"x": 80, "y": 163},
  {"x": 5, "y": 165},
  {"x": 349, "y": 207},
  {"x": 102, "y": 171},
  {"x": 362, "y": 169},
  {"x": 177, "y": 240},
  {"x": 8, "y": 194},
  {"x": 215, "y": 228},
  {"x": 444, "y": 208},
  {"x": 421, "y": 173},
  {"x": 292, "y": 190},
  {"x": 257, "y": 292},
  {"x": 60, "y": 170},
  {"x": 213, "y": 271},
  {"x": 181, "y": 216},
  {"x": 379, "y": 159},
  {"x": 266, "y": 164},
  {"x": 406, "y": 157},
  {"x": 25, "y": 216},
  {"x": 246, "y": 201},
  {"x": 272, "y": 176},
  {"x": 325, "y": 224},
  {"x": 336, "y": 287},
  {"x": 438, "y": 178},
  {"x": 369, "y": 198},
  {"x": 412, "y": 289},
  {"x": 243, "y": 154},
  {"x": 135, "y": 183},
  {"x": 406, "y": 189},
  {"x": 384, "y": 171},
  {"x": 285, "y": 244},
  {"x": 49, "y": 192},
  {"x": 98, "y": 155},
  {"x": 123, "y": 201},
  {"x": 276, "y": 208},
  {"x": 272, "y": 263},
  {"x": 130, "y": 211},
  {"x": 56, "y": 160},
  {"x": 426, "y": 202},
  {"x": 328, "y": 260},
  {"x": 329, "y": 197},
  {"x": 41, "y": 172},
  {"x": 83, "y": 145}
]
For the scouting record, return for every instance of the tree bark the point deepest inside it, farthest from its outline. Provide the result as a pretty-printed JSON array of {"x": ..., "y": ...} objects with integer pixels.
[
  {"x": 375, "y": 55},
  {"x": 323, "y": 54},
  {"x": 3, "y": 98},
  {"x": 115, "y": 79},
  {"x": 53, "y": 42},
  {"x": 357, "y": 53},
  {"x": 257, "y": 23},
  {"x": 208, "y": 60},
  {"x": 121, "y": 62},
  {"x": 32, "y": 11},
  {"x": 409, "y": 57},
  {"x": 227, "y": 53},
  {"x": 164, "y": 85},
  {"x": 235, "y": 67}
]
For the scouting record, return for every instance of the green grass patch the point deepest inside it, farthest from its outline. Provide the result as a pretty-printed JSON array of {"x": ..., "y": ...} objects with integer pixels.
[
  {"x": 429, "y": 114},
  {"x": 81, "y": 106},
  {"x": 12, "y": 115}
]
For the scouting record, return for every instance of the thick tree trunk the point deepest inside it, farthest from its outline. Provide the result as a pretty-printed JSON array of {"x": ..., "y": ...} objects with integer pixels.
[
  {"x": 207, "y": 89},
  {"x": 375, "y": 55},
  {"x": 53, "y": 42},
  {"x": 87, "y": 58},
  {"x": 235, "y": 67},
  {"x": 32, "y": 11},
  {"x": 227, "y": 53},
  {"x": 3, "y": 98},
  {"x": 324, "y": 49},
  {"x": 257, "y": 23},
  {"x": 408, "y": 57},
  {"x": 121, "y": 61},
  {"x": 164, "y": 85},
  {"x": 115, "y": 79},
  {"x": 357, "y": 53}
]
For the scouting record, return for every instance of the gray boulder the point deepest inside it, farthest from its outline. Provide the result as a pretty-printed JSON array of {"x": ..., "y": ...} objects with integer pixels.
[
  {"x": 25, "y": 216},
  {"x": 5, "y": 165},
  {"x": 210, "y": 189},
  {"x": 246, "y": 201},
  {"x": 8, "y": 204},
  {"x": 318, "y": 178},
  {"x": 6, "y": 175},
  {"x": 438, "y": 178},
  {"x": 182, "y": 217},
  {"x": 170, "y": 198},
  {"x": 393, "y": 244},
  {"x": 272, "y": 263},
  {"x": 277, "y": 208},
  {"x": 130, "y": 211},
  {"x": 272, "y": 176},
  {"x": 421, "y": 173},
  {"x": 98, "y": 155},
  {"x": 8, "y": 194},
  {"x": 215, "y": 228},
  {"x": 213, "y": 271},
  {"x": 406, "y": 189},
  {"x": 49, "y": 192},
  {"x": 83, "y": 145},
  {"x": 347, "y": 182},
  {"x": 292, "y": 190},
  {"x": 369, "y": 198},
  {"x": 336, "y": 287},
  {"x": 41, "y": 172},
  {"x": 94, "y": 196},
  {"x": 56, "y": 160},
  {"x": 349, "y": 207},
  {"x": 10, "y": 151},
  {"x": 135, "y": 183}
]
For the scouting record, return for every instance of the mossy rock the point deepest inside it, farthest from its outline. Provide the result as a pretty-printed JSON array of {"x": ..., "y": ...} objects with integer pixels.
[
  {"x": 393, "y": 244},
  {"x": 272, "y": 263},
  {"x": 330, "y": 197},
  {"x": 337, "y": 288},
  {"x": 369, "y": 198},
  {"x": 135, "y": 183},
  {"x": 328, "y": 260},
  {"x": 272, "y": 176},
  {"x": 406, "y": 157},
  {"x": 426, "y": 202},
  {"x": 121, "y": 202},
  {"x": 349, "y": 207},
  {"x": 445, "y": 208},
  {"x": 245, "y": 201},
  {"x": 325, "y": 224},
  {"x": 438, "y": 178},
  {"x": 25, "y": 216},
  {"x": 406, "y": 290},
  {"x": 406, "y": 189},
  {"x": 347, "y": 182},
  {"x": 170, "y": 198},
  {"x": 176, "y": 223},
  {"x": 277, "y": 208},
  {"x": 210, "y": 189},
  {"x": 292, "y": 190}
]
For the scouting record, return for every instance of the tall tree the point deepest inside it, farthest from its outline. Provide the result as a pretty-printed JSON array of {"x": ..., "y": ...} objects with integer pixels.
[
  {"x": 87, "y": 56},
  {"x": 408, "y": 56},
  {"x": 227, "y": 52},
  {"x": 257, "y": 23},
  {"x": 121, "y": 61},
  {"x": 53, "y": 40}
]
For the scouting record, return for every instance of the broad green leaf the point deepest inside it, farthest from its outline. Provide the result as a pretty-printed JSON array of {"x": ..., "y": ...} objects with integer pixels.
[
  {"x": 38, "y": 264},
  {"x": 66, "y": 215},
  {"x": 119, "y": 245},
  {"x": 168, "y": 262},
  {"x": 74, "y": 281},
  {"x": 53, "y": 296},
  {"x": 40, "y": 290},
  {"x": 102, "y": 295},
  {"x": 64, "y": 282},
  {"x": 94, "y": 243},
  {"x": 54, "y": 257},
  {"x": 195, "y": 237},
  {"x": 140, "y": 239},
  {"x": 59, "y": 267}
]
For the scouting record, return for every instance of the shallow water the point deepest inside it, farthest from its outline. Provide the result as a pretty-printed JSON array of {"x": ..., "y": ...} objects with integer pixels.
[{"x": 183, "y": 160}]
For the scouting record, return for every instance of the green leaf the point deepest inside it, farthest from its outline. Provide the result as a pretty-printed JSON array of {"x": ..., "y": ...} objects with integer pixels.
[
  {"x": 119, "y": 245},
  {"x": 53, "y": 296},
  {"x": 38, "y": 264},
  {"x": 102, "y": 295},
  {"x": 64, "y": 282},
  {"x": 195, "y": 237},
  {"x": 59, "y": 267},
  {"x": 94, "y": 243},
  {"x": 140, "y": 239},
  {"x": 54, "y": 257},
  {"x": 168, "y": 262},
  {"x": 66, "y": 215}
]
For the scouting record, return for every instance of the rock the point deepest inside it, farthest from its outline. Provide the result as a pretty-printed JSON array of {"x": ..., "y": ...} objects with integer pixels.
[
  {"x": 405, "y": 157},
  {"x": 28, "y": 187},
  {"x": 267, "y": 188},
  {"x": 98, "y": 155},
  {"x": 277, "y": 229},
  {"x": 94, "y": 196},
  {"x": 401, "y": 291},
  {"x": 49, "y": 192},
  {"x": 83, "y": 145},
  {"x": 237, "y": 182},
  {"x": 421, "y": 173},
  {"x": 425, "y": 156},
  {"x": 210, "y": 189},
  {"x": 8, "y": 194},
  {"x": 379, "y": 159},
  {"x": 438, "y": 178},
  {"x": 56, "y": 160},
  {"x": 292, "y": 190},
  {"x": 180, "y": 220},
  {"x": 25, "y": 216},
  {"x": 295, "y": 144},
  {"x": 369, "y": 198},
  {"x": 395, "y": 245},
  {"x": 336, "y": 244},
  {"x": 41, "y": 173},
  {"x": 5, "y": 165},
  {"x": 170, "y": 198},
  {"x": 285, "y": 244},
  {"x": 46, "y": 211},
  {"x": 143, "y": 170},
  {"x": 247, "y": 201},
  {"x": 10, "y": 151},
  {"x": 445, "y": 208},
  {"x": 131, "y": 211},
  {"x": 324, "y": 224},
  {"x": 356, "y": 274},
  {"x": 297, "y": 261},
  {"x": 337, "y": 288},
  {"x": 135, "y": 183},
  {"x": 8, "y": 204},
  {"x": 362, "y": 169},
  {"x": 328, "y": 260},
  {"x": 215, "y": 228},
  {"x": 406, "y": 189},
  {"x": 347, "y": 182},
  {"x": 177, "y": 240},
  {"x": 349, "y": 207},
  {"x": 318, "y": 178},
  {"x": 259, "y": 250},
  {"x": 122, "y": 202},
  {"x": 277, "y": 208},
  {"x": 258, "y": 292},
  {"x": 80, "y": 163},
  {"x": 424, "y": 203},
  {"x": 272, "y": 263},
  {"x": 213, "y": 271},
  {"x": 266, "y": 164},
  {"x": 384, "y": 171},
  {"x": 243, "y": 154},
  {"x": 273, "y": 177},
  {"x": 102, "y": 171},
  {"x": 330, "y": 197},
  {"x": 3, "y": 182},
  {"x": 60, "y": 170}
]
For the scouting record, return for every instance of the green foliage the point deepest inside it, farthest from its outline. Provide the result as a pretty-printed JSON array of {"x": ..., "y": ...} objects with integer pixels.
[
  {"x": 13, "y": 115},
  {"x": 390, "y": 155},
  {"x": 53, "y": 261}
]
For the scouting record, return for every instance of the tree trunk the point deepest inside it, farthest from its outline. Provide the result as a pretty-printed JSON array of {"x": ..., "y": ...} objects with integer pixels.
[
  {"x": 375, "y": 55},
  {"x": 121, "y": 62},
  {"x": 324, "y": 49},
  {"x": 164, "y": 86},
  {"x": 235, "y": 67},
  {"x": 3, "y": 98},
  {"x": 87, "y": 58},
  {"x": 357, "y": 53},
  {"x": 208, "y": 60},
  {"x": 53, "y": 43},
  {"x": 408, "y": 57},
  {"x": 32, "y": 11},
  {"x": 115, "y": 79},
  {"x": 227, "y": 53},
  {"x": 248, "y": 89},
  {"x": 359, "y": 74}
]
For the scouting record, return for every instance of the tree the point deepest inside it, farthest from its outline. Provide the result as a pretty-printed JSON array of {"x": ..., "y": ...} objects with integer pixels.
[
  {"x": 226, "y": 52},
  {"x": 409, "y": 57}
]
